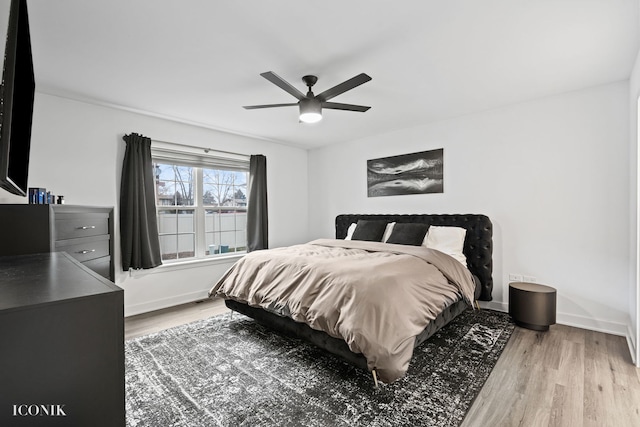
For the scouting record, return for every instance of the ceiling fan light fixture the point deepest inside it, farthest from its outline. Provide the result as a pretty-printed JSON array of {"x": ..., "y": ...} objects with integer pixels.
[{"x": 310, "y": 110}]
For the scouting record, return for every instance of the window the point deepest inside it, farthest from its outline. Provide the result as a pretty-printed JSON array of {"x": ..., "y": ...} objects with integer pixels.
[{"x": 201, "y": 206}]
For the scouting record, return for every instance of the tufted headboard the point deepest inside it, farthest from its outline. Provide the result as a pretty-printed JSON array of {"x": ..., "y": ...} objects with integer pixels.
[{"x": 478, "y": 244}]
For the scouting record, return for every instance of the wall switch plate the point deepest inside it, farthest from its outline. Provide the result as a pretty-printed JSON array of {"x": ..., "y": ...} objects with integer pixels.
[
  {"x": 515, "y": 277},
  {"x": 530, "y": 279}
]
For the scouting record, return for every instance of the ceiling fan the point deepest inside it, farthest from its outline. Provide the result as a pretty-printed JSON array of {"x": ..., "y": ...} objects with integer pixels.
[{"x": 311, "y": 105}]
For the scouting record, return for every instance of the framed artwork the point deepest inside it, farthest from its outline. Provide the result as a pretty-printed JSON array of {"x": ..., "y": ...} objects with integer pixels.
[{"x": 415, "y": 173}]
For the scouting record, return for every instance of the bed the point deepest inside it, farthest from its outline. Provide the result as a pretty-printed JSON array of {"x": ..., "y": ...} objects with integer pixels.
[{"x": 298, "y": 317}]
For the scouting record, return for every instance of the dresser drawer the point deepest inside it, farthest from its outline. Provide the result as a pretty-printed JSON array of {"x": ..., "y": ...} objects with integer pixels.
[
  {"x": 85, "y": 249},
  {"x": 102, "y": 266},
  {"x": 85, "y": 232},
  {"x": 76, "y": 225}
]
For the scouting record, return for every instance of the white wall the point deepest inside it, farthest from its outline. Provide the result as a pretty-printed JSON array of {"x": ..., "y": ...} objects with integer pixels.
[
  {"x": 553, "y": 176},
  {"x": 634, "y": 240},
  {"x": 77, "y": 151}
]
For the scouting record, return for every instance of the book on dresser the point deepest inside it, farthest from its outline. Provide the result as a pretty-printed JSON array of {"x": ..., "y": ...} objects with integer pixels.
[{"x": 84, "y": 232}]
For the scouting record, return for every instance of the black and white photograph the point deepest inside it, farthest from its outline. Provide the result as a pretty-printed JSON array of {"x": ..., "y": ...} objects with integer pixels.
[{"x": 415, "y": 173}]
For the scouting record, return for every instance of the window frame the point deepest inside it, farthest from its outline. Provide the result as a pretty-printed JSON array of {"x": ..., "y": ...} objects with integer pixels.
[{"x": 198, "y": 162}]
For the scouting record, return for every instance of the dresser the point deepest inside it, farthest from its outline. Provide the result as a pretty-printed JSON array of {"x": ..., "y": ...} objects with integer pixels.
[
  {"x": 62, "y": 340},
  {"x": 84, "y": 232}
]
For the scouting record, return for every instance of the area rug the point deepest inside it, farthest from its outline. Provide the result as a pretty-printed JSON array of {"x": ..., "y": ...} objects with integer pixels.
[{"x": 226, "y": 371}]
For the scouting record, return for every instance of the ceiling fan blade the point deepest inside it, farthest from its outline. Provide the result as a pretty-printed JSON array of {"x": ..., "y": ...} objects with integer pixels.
[
  {"x": 346, "y": 107},
  {"x": 282, "y": 84},
  {"x": 343, "y": 87},
  {"x": 254, "y": 107}
]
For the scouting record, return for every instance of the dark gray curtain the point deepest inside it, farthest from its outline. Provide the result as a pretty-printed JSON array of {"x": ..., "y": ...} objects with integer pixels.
[
  {"x": 257, "y": 216},
  {"x": 138, "y": 222}
]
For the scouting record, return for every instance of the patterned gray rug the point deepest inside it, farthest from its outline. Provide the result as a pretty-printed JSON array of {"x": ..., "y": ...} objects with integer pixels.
[{"x": 234, "y": 372}]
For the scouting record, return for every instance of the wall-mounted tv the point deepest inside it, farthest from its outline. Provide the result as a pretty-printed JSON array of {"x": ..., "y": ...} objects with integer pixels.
[{"x": 16, "y": 97}]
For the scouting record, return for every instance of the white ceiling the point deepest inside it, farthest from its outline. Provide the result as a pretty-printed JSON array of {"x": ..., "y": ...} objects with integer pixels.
[{"x": 199, "y": 60}]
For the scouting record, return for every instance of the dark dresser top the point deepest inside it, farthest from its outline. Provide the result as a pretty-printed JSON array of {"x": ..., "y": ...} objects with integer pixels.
[{"x": 29, "y": 280}]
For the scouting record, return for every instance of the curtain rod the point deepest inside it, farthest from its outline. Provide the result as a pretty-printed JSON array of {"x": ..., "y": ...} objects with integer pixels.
[{"x": 206, "y": 150}]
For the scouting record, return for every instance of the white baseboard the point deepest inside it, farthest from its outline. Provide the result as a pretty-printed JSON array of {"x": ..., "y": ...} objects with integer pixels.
[
  {"x": 631, "y": 342},
  {"x": 145, "y": 307},
  {"x": 583, "y": 322},
  {"x": 494, "y": 305},
  {"x": 598, "y": 325}
]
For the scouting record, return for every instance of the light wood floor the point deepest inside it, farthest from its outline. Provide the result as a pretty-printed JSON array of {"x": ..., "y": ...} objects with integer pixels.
[
  {"x": 564, "y": 377},
  {"x": 155, "y": 321}
]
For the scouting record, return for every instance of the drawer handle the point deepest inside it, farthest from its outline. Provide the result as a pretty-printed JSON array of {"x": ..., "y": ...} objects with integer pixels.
[
  {"x": 86, "y": 252},
  {"x": 87, "y": 227}
]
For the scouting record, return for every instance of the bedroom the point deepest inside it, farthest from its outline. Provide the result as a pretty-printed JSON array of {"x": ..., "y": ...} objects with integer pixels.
[{"x": 539, "y": 131}]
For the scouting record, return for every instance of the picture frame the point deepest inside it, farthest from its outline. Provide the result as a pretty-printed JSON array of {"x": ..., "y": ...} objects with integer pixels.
[{"x": 413, "y": 173}]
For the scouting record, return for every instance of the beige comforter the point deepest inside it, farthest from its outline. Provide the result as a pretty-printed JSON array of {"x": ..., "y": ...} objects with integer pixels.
[{"x": 377, "y": 297}]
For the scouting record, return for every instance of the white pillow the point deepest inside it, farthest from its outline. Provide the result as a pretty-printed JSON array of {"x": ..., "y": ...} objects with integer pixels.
[
  {"x": 388, "y": 231},
  {"x": 449, "y": 240},
  {"x": 385, "y": 236},
  {"x": 350, "y": 231}
]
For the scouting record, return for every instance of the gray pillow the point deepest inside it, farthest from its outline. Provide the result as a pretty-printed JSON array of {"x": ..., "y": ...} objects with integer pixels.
[
  {"x": 371, "y": 231},
  {"x": 408, "y": 234}
]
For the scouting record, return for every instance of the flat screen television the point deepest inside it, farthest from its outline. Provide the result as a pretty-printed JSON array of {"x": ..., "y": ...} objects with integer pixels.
[{"x": 16, "y": 97}]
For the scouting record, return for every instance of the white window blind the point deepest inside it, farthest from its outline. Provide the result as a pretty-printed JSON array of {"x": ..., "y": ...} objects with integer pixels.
[{"x": 203, "y": 160}]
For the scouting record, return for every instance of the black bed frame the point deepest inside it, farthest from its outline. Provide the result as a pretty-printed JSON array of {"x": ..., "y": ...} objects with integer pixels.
[{"x": 478, "y": 248}]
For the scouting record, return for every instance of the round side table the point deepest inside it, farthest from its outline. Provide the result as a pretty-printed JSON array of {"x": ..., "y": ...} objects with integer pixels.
[{"x": 532, "y": 306}]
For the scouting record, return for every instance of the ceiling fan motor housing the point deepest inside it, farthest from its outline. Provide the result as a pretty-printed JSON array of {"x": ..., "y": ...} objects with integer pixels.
[{"x": 309, "y": 81}]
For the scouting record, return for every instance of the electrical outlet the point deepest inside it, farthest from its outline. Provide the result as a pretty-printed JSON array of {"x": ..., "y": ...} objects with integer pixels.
[
  {"x": 530, "y": 279},
  {"x": 515, "y": 277}
]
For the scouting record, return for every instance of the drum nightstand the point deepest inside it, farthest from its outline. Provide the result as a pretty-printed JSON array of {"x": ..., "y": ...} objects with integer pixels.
[{"x": 532, "y": 306}]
